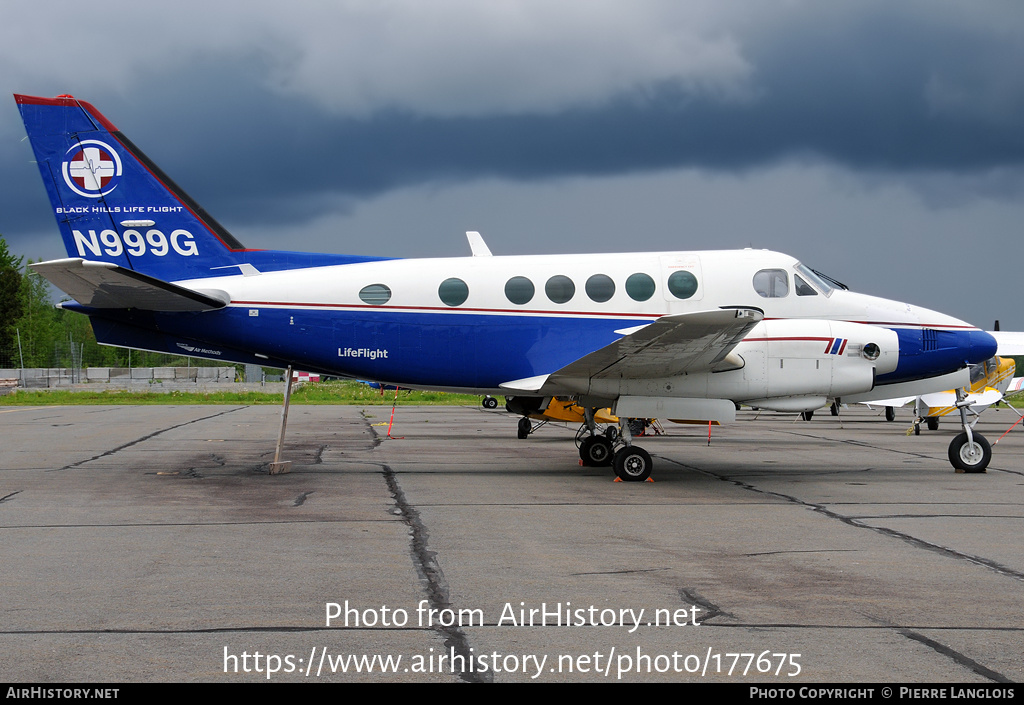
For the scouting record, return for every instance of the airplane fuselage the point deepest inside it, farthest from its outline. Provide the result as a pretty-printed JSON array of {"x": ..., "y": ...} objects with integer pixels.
[{"x": 475, "y": 323}]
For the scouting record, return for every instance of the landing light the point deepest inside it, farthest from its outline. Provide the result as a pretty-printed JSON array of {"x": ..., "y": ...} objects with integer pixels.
[{"x": 872, "y": 351}]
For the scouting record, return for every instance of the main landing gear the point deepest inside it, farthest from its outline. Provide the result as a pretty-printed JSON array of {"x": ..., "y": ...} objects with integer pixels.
[
  {"x": 630, "y": 463},
  {"x": 969, "y": 451}
]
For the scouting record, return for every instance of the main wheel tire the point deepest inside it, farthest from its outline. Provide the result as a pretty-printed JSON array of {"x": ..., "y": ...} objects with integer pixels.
[
  {"x": 806, "y": 415},
  {"x": 524, "y": 428},
  {"x": 596, "y": 451},
  {"x": 632, "y": 464},
  {"x": 490, "y": 403},
  {"x": 970, "y": 457},
  {"x": 890, "y": 413},
  {"x": 933, "y": 422},
  {"x": 834, "y": 409}
]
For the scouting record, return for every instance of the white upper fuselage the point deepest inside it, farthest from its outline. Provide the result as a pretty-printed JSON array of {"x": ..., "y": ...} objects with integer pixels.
[{"x": 724, "y": 278}]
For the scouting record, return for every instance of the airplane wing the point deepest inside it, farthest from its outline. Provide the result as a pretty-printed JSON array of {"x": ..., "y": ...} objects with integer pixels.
[
  {"x": 670, "y": 346},
  {"x": 106, "y": 285},
  {"x": 896, "y": 401},
  {"x": 945, "y": 402},
  {"x": 1010, "y": 343}
]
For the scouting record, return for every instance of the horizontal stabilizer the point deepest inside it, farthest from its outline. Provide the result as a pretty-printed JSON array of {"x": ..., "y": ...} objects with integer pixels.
[{"x": 107, "y": 285}]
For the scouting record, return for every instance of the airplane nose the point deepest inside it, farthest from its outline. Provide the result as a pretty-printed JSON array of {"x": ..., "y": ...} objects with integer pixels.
[{"x": 982, "y": 347}]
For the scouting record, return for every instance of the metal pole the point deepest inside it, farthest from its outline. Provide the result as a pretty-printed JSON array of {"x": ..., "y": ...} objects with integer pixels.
[
  {"x": 21, "y": 356},
  {"x": 278, "y": 466}
]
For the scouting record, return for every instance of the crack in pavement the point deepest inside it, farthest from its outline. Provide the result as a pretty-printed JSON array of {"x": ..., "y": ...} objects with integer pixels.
[
  {"x": 145, "y": 438},
  {"x": 857, "y": 523},
  {"x": 710, "y": 608},
  {"x": 955, "y": 655},
  {"x": 430, "y": 572},
  {"x": 428, "y": 568}
]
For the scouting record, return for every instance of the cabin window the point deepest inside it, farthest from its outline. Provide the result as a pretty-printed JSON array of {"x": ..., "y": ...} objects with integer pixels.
[
  {"x": 640, "y": 286},
  {"x": 682, "y": 284},
  {"x": 560, "y": 288},
  {"x": 977, "y": 373},
  {"x": 600, "y": 288},
  {"x": 453, "y": 292},
  {"x": 375, "y": 294},
  {"x": 519, "y": 290},
  {"x": 771, "y": 283},
  {"x": 802, "y": 287}
]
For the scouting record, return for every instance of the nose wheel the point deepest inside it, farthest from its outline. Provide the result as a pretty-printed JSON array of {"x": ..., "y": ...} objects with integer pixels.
[{"x": 969, "y": 452}]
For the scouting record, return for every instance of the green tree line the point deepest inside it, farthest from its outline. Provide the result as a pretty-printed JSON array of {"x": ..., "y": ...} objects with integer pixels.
[{"x": 34, "y": 331}]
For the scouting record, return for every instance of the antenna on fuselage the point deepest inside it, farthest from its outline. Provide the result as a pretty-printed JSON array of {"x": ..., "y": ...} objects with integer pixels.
[{"x": 477, "y": 245}]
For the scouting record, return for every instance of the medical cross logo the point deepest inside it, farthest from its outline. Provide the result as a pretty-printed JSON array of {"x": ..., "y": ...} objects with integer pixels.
[{"x": 92, "y": 169}]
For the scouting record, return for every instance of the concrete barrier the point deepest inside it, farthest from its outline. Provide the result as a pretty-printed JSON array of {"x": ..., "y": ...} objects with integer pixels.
[
  {"x": 97, "y": 374},
  {"x": 168, "y": 378}
]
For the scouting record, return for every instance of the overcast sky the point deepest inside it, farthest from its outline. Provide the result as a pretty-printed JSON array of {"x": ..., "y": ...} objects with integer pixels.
[{"x": 879, "y": 142}]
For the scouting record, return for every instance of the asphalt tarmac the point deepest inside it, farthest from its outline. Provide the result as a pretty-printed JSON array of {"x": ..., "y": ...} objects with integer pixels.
[{"x": 151, "y": 544}]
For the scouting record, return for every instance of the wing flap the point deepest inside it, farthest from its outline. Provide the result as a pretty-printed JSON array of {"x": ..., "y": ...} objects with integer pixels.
[{"x": 107, "y": 285}]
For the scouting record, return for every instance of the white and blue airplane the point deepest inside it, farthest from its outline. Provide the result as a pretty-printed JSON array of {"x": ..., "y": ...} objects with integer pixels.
[{"x": 675, "y": 335}]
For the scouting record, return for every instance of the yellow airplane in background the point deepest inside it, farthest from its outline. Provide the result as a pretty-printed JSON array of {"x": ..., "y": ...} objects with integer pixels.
[{"x": 989, "y": 382}]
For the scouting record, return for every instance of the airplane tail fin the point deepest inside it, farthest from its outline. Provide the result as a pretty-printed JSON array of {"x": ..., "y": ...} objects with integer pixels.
[{"x": 113, "y": 204}]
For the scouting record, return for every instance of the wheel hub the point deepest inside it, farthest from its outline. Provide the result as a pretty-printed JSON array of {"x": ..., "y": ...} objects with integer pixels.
[
  {"x": 634, "y": 465},
  {"x": 971, "y": 453}
]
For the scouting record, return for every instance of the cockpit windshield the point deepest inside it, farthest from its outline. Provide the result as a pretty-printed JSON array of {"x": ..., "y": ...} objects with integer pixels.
[{"x": 818, "y": 282}]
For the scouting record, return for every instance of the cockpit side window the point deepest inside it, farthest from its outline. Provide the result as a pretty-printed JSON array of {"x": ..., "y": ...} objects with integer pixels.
[
  {"x": 817, "y": 282},
  {"x": 802, "y": 287},
  {"x": 771, "y": 283}
]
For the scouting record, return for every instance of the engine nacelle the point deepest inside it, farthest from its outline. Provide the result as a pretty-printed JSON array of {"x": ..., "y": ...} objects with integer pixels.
[{"x": 799, "y": 363}]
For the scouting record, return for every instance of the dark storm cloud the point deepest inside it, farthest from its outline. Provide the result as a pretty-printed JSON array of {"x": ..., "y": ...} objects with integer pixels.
[
  {"x": 862, "y": 96},
  {"x": 878, "y": 91}
]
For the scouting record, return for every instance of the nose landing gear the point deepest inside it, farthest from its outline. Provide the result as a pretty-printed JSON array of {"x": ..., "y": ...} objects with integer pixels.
[{"x": 969, "y": 452}]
